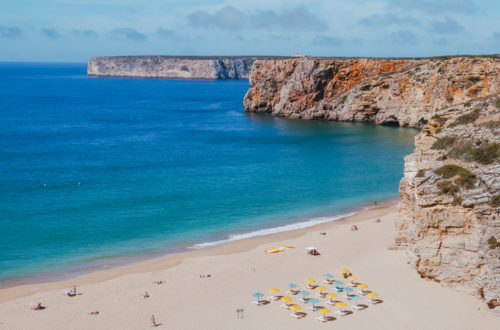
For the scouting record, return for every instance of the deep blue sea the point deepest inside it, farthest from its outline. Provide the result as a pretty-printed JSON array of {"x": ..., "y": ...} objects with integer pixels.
[{"x": 94, "y": 169}]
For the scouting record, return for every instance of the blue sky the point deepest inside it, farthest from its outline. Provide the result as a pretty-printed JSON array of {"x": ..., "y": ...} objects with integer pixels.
[{"x": 74, "y": 30}]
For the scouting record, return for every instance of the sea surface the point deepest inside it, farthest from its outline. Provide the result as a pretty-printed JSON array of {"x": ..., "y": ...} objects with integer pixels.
[{"x": 97, "y": 169}]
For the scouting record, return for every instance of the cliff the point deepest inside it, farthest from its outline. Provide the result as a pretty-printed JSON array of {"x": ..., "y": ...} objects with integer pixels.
[
  {"x": 450, "y": 210},
  {"x": 171, "y": 67},
  {"x": 404, "y": 92}
]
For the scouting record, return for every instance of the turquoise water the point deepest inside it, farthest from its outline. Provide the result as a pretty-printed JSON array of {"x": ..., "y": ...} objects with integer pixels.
[{"x": 99, "y": 168}]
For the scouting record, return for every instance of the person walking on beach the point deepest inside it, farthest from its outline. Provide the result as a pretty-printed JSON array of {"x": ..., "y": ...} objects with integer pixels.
[{"x": 153, "y": 321}]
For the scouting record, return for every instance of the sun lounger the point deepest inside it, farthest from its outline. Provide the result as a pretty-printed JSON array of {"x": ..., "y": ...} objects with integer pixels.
[
  {"x": 304, "y": 300},
  {"x": 361, "y": 292},
  {"x": 331, "y": 302},
  {"x": 328, "y": 282},
  {"x": 315, "y": 308},
  {"x": 337, "y": 289},
  {"x": 297, "y": 316},
  {"x": 358, "y": 307},
  {"x": 321, "y": 295},
  {"x": 285, "y": 306},
  {"x": 294, "y": 292},
  {"x": 341, "y": 313},
  {"x": 322, "y": 319},
  {"x": 258, "y": 303}
]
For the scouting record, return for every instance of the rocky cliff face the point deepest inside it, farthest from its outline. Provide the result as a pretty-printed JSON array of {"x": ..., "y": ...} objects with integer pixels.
[
  {"x": 404, "y": 92},
  {"x": 171, "y": 67},
  {"x": 450, "y": 209}
]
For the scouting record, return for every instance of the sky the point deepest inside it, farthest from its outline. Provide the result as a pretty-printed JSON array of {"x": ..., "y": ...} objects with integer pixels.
[{"x": 74, "y": 30}]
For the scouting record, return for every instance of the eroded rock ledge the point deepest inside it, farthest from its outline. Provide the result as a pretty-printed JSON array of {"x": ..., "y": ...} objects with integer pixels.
[
  {"x": 184, "y": 67},
  {"x": 404, "y": 92}
]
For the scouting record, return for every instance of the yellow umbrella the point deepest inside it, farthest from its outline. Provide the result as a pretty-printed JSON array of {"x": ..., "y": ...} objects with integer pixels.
[
  {"x": 295, "y": 307},
  {"x": 321, "y": 288},
  {"x": 331, "y": 296},
  {"x": 274, "y": 290},
  {"x": 362, "y": 286},
  {"x": 341, "y": 304},
  {"x": 372, "y": 295},
  {"x": 324, "y": 311},
  {"x": 286, "y": 300},
  {"x": 352, "y": 278},
  {"x": 344, "y": 271},
  {"x": 310, "y": 280}
]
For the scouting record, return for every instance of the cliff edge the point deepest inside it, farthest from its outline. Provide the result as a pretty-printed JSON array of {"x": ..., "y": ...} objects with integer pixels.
[
  {"x": 404, "y": 92},
  {"x": 200, "y": 67}
]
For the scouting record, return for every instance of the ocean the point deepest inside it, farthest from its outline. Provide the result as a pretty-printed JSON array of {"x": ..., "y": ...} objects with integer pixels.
[{"x": 96, "y": 171}]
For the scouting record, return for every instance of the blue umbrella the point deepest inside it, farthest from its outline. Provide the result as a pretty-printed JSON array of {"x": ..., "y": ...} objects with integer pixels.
[
  {"x": 313, "y": 301},
  {"x": 347, "y": 290},
  {"x": 292, "y": 285},
  {"x": 258, "y": 295},
  {"x": 328, "y": 275},
  {"x": 337, "y": 283},
  {"x": 304, "y": 293},
  {"x": 354, "y": 297}
]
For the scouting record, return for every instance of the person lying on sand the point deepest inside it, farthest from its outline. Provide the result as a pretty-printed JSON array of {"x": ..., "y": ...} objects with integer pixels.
[
  {"x": 94, "y": 313},
  {"x": 354, "y": 228},
  {"x": 146, "y": 295},
  {"x": 322, "y": 234},
  {"x": 36, "y": 306},
  {"x": 378, "y": 220},
  {"x": 159, "y": 282}
]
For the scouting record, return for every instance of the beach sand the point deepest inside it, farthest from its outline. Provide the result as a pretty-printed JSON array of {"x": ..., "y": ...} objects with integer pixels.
[{"x": 186, "y": 301}]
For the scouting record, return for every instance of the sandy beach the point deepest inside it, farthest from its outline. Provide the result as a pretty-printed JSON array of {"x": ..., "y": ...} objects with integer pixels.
[{"x": 187, "y": 301}]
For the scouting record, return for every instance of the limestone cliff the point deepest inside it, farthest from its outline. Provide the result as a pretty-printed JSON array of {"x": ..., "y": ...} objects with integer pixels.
[
  {"x": 403, "y": 92},
  {"x": 450, "y": 209},
  {"x": 171, "y": 67}
]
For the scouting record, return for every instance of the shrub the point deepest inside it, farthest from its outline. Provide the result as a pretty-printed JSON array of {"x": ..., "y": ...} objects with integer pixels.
[
  {"x": 466, "y": 180},
  {"x": 495, "y": 201},
  {"x": 492, "y": 124},
  {"x": 467, "y": 118},
  {"x": 457, "y": 200},
  {"x": 497, "y": 103},
  {"x": 486, "y": 154},
  {"x": 447, "y": 187},
  {"x": 462, "y": 150},
  {"x": 420, "y": 173},
  {"x": 444, "y": 143},
  {"x": 449, "y": 171},
  {"x": 493, "y": 243},
  {"x": 344, "y": 98}
]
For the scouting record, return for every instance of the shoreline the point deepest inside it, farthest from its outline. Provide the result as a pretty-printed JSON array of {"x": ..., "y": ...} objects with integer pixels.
[
  {"x": 111, "y": 270},
  {"x": 188, "y": 300},
  {"x": 112, "y": 262}
]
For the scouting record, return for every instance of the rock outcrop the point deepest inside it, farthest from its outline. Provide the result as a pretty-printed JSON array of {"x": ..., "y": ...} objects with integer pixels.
[
  {"x": 450, "y": 209},
  {"x": 404, "y": 92},
  {"x": 171, "y": 67}
]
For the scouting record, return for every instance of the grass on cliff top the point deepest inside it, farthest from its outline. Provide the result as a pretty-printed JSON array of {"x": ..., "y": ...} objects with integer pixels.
[
  {"x": 467, "y": 118},
  {"x": 441, "y": 120},
  {"x": 444, "y": 143},
  {"x": 497, "y": 103}
]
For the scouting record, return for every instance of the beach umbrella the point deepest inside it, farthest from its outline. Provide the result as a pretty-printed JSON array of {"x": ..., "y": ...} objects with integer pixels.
[
  {"x": 328, "y": 275},
  {"x": 344, "y": 271},
  {"x": 292, "y": 285},
  {"x": 320, "y": 288},
  {"x": 362, "y": 286},
  {"x": 354, "y": 297},
  {"x": 313, "y": 301},
  {"x": 352, "y": 278},
  {"x": 310, "y": 280},
  {"x": 274, "y": 290},
  {"x": 304, "y": 293},
  {"x": 295, "y": 308},
  {"x": 286, "y": 300},
  {"x": 258, "y": 295},
  {"x": 372, "y": 295},
  {"x": 337, "y": 283},
  {"x": 324, "y": 311},
  {"x": 340, "y": 304},
  {"x": 347, "y": 290},
  {"x": 331, "y": 296}
]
